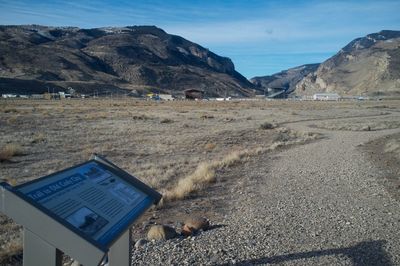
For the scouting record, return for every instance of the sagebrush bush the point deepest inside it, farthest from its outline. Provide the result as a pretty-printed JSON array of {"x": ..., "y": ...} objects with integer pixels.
[{"x": 267, "y": 125}]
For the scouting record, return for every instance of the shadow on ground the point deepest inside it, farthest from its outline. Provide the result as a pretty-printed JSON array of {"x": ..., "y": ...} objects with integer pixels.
[
  {"x": 216, "y": 226},
  {"x": 366, "y": 253}
]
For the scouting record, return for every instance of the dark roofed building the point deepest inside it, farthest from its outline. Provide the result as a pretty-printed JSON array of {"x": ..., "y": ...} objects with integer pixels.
[{"x": 193, "y": 94}]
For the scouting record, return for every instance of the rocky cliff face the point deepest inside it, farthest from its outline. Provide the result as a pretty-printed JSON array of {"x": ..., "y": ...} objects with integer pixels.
[
  {"x": 286, "y": 79},
  {"x": 141, "y": 58},
  {"x": 366, "y": 66}
]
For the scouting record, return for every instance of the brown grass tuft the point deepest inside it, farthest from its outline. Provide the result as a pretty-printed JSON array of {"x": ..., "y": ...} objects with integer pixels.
[
  {"x": 204, "y": 174},
  {"x": 210, "y": 146},
  {"x": 38, "y": 138},
  {"x": 87, "y": 152},
  {"x": 206, "y": 116},
  {"x": 393, "y": 146},
  {"x": 10, "y": 110},
  {"x": 205, "y": 171},
  {"x": 141, "y": 117},
  {"x": 9, "y": 151},
  {"x": 97, "y": 115},
  {"x": 12, "y": 119}
]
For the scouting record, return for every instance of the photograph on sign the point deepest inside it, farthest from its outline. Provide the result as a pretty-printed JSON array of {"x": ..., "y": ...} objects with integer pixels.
[
  {"x": 91, "y": 198},
  {"x": 87, "y": 221}
]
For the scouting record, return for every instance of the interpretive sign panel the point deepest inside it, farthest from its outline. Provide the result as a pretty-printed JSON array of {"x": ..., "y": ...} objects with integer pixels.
[{"x": 94, "y": 199}]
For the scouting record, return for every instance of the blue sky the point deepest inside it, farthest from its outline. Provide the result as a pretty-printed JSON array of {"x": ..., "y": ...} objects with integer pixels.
[{"x": 261, "y": 37}]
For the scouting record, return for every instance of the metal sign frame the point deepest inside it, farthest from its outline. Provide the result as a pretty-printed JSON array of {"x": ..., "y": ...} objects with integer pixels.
[{"x": 47, "y": 233}]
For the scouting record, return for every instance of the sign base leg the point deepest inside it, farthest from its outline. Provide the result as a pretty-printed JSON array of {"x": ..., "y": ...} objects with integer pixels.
[
  {"x": 120, "y": 251},
  {"x": 39, "y": 252}
]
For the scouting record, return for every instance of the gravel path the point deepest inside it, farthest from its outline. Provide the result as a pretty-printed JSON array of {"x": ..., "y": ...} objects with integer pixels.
[{"x": 313, "y": 204}]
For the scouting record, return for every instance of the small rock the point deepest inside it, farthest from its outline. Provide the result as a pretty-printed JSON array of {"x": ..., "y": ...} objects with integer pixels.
[
  {"x": 214, "y": 259},
  {"x": 192, "y": 225},
  {"x": 160, "y": 232},
  {"x": 140, "y": 243}
]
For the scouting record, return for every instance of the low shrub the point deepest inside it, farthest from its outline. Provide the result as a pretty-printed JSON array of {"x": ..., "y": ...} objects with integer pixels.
[{"x": 267, "y": 125}]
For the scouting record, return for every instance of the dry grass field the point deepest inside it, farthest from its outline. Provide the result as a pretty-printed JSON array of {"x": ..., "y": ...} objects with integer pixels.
[{"x": 175, "y": 147}]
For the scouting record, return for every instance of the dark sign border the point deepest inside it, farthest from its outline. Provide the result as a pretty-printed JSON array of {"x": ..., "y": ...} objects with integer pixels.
[{"x": 107, "y": 165}]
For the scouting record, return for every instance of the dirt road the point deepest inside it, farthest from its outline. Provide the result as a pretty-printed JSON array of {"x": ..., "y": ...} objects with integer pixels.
[{"x": 314, "y": 204}]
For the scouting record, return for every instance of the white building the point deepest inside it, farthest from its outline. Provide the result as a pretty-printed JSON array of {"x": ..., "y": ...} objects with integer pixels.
[
  {"x": 326, "y": 97},
  {"x": 166, "y": 97},
  {"x": 9, "y": 95},
  {"x": 223, "y": 99}
]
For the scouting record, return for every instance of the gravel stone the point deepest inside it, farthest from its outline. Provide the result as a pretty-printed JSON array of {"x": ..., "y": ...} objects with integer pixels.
[{"x": 141, "y": 243}]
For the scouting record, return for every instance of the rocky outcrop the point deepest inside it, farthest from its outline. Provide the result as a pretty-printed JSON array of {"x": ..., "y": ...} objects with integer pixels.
[{"x": 366, "y": 66}]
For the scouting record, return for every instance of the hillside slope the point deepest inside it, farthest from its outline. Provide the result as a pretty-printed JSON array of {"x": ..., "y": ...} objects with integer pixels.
[
  {"x": 285, "y": 79},
  {"x": 366, "y": 66},
  {"x": 141, "y": 58}
]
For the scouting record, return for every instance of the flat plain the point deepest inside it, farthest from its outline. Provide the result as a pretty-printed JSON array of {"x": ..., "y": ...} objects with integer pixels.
[{"x": 200, "y": 153}]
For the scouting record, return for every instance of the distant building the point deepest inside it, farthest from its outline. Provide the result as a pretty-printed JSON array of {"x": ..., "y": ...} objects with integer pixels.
[
  {"x": 9, "y": 95},
  {"x": 194, "y": 94},
  {"x": 51, "y": 96},
  {"x": 223, "y": 99},
  {"x": 166, "y": 97},
  {"x": 37, "y": 96},
  {"x": 326, "y": 97},
  {"x": 153, "y": 96}
]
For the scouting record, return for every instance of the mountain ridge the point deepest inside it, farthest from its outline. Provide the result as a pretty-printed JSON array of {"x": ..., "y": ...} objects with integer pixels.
[
  {"x": 286, "y": 79},
  {"x": 368, "y": 65},
  {"x": 139, "y": 58}
]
